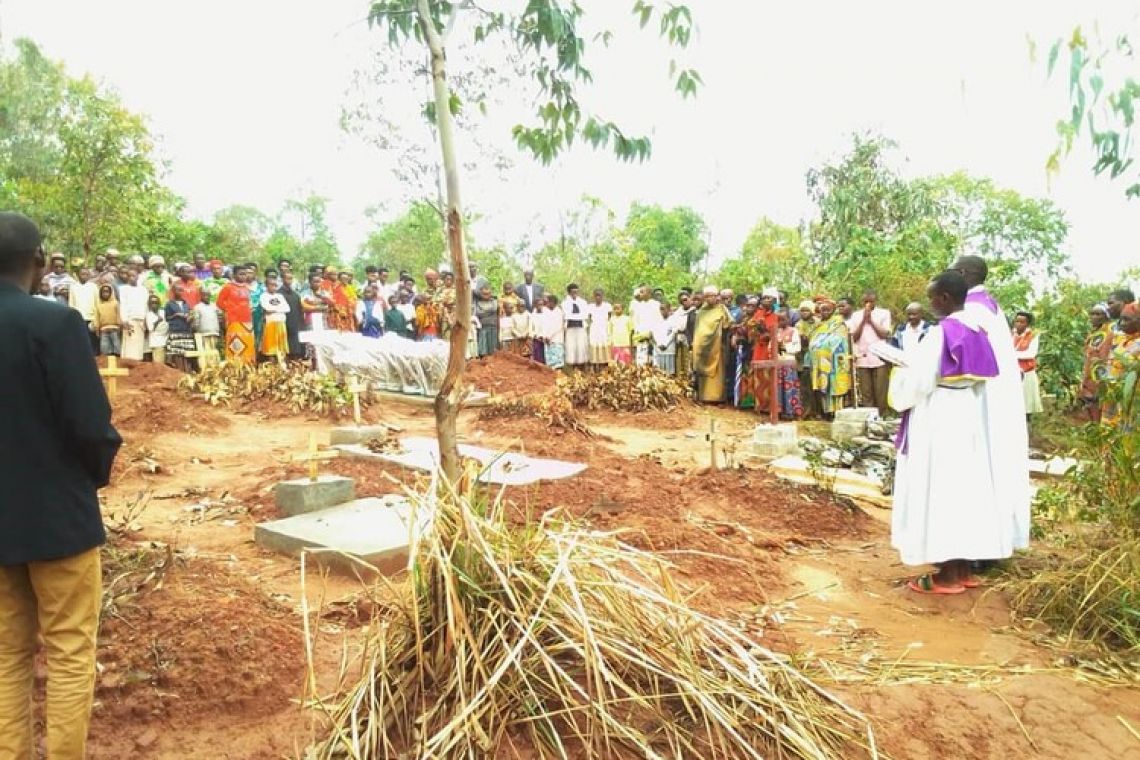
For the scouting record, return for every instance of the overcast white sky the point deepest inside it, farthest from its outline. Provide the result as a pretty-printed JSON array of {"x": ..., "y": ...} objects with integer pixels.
[{"x": 246, "y": 96}]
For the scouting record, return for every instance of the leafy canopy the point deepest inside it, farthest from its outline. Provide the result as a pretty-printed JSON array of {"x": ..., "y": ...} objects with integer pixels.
[
  {"x": 549, "y": 33},
  {"x": 1103, "y": 95}
]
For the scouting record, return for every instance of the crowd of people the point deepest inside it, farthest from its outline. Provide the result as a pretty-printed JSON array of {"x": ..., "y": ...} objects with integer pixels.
[{"x": 726, "y": 346}]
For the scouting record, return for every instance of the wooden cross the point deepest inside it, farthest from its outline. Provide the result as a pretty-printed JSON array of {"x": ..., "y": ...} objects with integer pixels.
[
  {"x": 206, "y": 355},
  {"x": 356, "y": 387},
  {"x": 111, "y": 374},
  {"x": 314, "y": 456},
  {"x": 711, "y": 437},
  {"x": 773, "y": 365}
]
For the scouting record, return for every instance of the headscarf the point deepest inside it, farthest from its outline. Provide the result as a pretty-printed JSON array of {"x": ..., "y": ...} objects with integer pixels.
[
  {"x": 770, "y": 292},
  {"x": 710, "y": 290},
  {"x": 216, "y": 263},
  {"x": 821, "y": 300},
  {"x": 809, "y": 305}
]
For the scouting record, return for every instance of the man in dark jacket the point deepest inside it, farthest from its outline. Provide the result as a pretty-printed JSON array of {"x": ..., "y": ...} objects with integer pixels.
[
  {"x": 530, "y": 292},
  {"x": 58, "y": 446}
]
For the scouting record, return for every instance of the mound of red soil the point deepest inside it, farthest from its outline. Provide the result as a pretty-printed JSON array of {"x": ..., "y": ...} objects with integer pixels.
[
  {"x": 205, "y": 644},
  {"x": 148, "y": 403},
  {"x": 504, "y": 373}
]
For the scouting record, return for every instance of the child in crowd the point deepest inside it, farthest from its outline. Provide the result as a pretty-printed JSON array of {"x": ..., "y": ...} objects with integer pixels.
[
  {"x": 206, "y": 320},
  {"x": 521, "y": 329},
  {"x": 537, "y": 343},
  {"x": 274, "y": 337},
  {"x": 788, "y": 383},
  {"x": 396, "y": 320},
  {"x": 370, "y": 312},
  {"x": 180, "y": 335},
  {"x": 506, "y": 326},
  {"x": 408, "y": 309},
  {"x": 44, "y": 292},
  {"x": 487, "y": 319},
  {"x": 665, "y": 343},
  {"x": 156, "y": 329},
  {"x": 316, "y": 303},
  {"x": 621, "y": 335},
  {"x": 553, "y": 333},
  {"x": 108, "y": 323}
]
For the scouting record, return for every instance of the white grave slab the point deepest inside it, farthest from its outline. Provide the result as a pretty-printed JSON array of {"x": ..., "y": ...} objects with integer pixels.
[
  {"x": 499, "y": 468},
  {"x": 854, "y": 484},
  {"x": 375, "y": 530}
]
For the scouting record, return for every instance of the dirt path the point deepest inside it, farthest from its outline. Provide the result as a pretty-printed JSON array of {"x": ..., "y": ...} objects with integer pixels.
[{"x": 212, "y": 663}]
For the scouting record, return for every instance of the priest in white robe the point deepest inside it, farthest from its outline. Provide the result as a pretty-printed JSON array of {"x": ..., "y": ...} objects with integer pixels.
[
  {"x": 947, "y": 510},
  {"x": 1005, "y": 412}
]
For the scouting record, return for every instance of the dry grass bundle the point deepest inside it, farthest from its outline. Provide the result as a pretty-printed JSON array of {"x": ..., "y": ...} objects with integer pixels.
[
  {"x": 552, "y": 407},
  {"x": 557, "y": 637},
  {"x": 291, "y": 386},
  {"x": 1089, "y": 593},
  {"x": 624, "y": 388}
]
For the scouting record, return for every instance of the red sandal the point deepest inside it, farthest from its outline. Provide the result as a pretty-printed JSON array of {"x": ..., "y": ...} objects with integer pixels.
[{"x": 924, "y": 584}]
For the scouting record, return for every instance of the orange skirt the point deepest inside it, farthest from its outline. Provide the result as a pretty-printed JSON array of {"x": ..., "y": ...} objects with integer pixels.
[
  {"x": 240, "y": 343},
  {"x": 274, "y": 339}
]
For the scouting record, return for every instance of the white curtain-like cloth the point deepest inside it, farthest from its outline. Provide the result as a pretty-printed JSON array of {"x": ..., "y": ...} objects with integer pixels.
[
  {"x": 946, "y": 503},
  {"x": 1005, "y": 423},
  {"x": 389, "y": 363}
]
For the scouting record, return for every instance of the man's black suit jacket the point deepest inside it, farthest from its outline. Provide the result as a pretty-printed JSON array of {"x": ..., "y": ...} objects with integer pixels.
[
  {"x": 539, "y": 293},
  {"x": 57, "y": 443}
]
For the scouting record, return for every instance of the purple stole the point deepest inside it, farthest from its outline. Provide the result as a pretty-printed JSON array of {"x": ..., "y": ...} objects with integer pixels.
[
  {"x": 966, "y": 355},
  {"x": 984, "y": 298}
]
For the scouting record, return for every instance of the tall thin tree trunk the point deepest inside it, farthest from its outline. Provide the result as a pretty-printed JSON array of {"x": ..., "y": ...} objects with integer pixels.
[{"x": 448, "y": 401}]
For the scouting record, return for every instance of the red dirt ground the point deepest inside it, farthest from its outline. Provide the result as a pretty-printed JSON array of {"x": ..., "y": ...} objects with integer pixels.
[
  {"x": 218, "y": 663},
  {"x": 206, "y": 645}
]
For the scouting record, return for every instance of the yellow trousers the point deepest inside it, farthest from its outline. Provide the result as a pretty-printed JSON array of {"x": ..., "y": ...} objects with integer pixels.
[{"x": 60, "y": 601}]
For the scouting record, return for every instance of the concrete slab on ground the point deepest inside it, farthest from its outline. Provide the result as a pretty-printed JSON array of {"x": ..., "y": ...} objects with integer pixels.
[
  {"x": 357, "y": 433},
  {"x": 375, "y": 530},
  {"x": 500, "y": 468},
  {"x": 772, "y": 441},
  {"x": 846, "y": 482},
  {"x": 852, "y": 422},
  {"x": 301, "y": 496},
  {"x": 1051, "y": 468}
]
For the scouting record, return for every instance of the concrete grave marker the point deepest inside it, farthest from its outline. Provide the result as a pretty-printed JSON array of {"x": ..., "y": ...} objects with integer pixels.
[
  {"x": 771, "y": 441},
  {"x": 376, "y": 530}
]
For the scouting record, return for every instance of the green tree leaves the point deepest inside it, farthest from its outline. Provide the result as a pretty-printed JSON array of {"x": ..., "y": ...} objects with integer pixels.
[
  {"x": 549, "y": 33},
  {"x": 74, "y": 158},
  {"x": 1102, "y": 92}
]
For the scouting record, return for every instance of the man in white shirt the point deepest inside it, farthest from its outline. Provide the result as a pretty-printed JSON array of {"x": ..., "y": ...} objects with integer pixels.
[
  {"x": 911, "y": 332},
  {"x": 646, "y": 313},
  {"x": 868, "y": 328},
  {"x": 388, "y": 291},
  {"x": 82, "y": 297},
  {"x": 132, "y": 311},
  {"x": 58, "y": 278}
]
